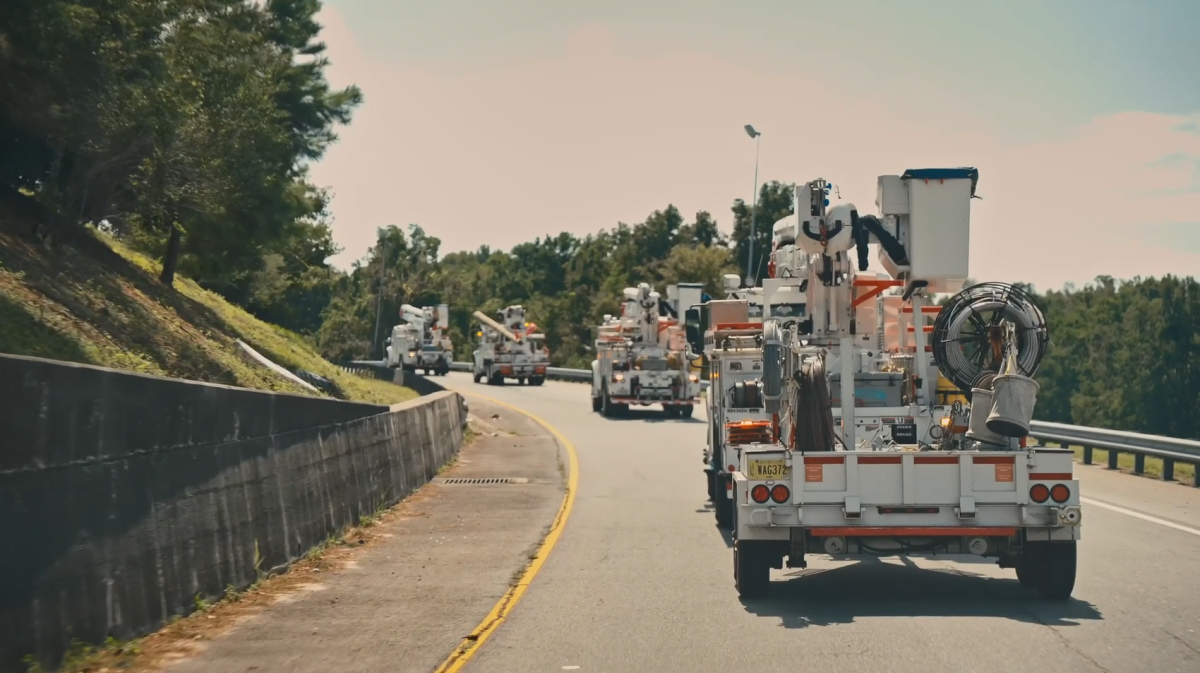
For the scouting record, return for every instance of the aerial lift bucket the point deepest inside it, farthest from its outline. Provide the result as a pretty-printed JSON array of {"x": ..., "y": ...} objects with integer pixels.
[
  {"x": 981, "y": 408},
  {"x": 1013, "y": 399}
]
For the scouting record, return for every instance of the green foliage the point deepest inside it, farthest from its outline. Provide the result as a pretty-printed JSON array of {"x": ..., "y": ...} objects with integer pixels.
[
  {"x": 567, "y": 283},
  {"x": 188, "y": 121},
  {"x": 1124, "y": 355}
]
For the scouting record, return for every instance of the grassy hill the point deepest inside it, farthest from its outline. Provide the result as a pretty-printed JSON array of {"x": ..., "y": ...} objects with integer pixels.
[{"x": 94, "y": 301}]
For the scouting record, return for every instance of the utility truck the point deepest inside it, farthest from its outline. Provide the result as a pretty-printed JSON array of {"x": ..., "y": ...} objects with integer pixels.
[
  {"x": 640, "y": 355},
  {"x": 420, "y": 342},
  {"x": 509, "y": 348},
  {"x": 864, "y": 457},
  {"x": 729, "y": 332}
]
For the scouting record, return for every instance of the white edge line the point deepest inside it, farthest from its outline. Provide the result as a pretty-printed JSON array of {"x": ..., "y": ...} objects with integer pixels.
[{"x": 1139, "y": 515}]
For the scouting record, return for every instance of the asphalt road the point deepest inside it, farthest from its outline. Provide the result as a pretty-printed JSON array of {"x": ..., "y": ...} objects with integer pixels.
[{"x": 642, "y": 579}]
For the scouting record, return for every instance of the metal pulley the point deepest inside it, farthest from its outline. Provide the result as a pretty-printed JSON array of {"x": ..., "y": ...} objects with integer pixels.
[{"x": 968, "y": 335}]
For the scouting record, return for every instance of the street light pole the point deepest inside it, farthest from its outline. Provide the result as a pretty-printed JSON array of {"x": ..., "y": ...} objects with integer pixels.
[{"x": 750, "y": 273}]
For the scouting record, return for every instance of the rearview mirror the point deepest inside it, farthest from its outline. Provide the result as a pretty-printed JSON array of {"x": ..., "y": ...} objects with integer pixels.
[{"x": 691, "y": 328}]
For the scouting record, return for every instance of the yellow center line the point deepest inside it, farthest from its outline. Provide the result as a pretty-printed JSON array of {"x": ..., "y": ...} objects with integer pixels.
[{"x": 475, "y": 640}]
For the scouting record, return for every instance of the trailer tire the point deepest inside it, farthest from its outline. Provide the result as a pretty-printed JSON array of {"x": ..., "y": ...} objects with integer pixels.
[
  {"x": 722, "y": 504},
  {"x": 752, "y": 568},
  {"x": 1056, "y": 570}
]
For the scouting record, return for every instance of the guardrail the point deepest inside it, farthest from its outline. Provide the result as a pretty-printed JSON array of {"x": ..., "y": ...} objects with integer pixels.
[
  {"x": 1169, "y": 449},
  {"x": 1116, "y": 442}
]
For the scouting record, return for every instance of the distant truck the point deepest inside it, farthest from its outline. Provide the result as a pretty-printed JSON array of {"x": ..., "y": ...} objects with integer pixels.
[
  {"x": 640, "y": 355},
  {"x": 509, "y": 348},
  {"x": 419, "y": 342}
]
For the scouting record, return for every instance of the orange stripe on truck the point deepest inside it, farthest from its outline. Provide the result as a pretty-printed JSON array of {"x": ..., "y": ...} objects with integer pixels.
[{"x": 926, "y": 531}]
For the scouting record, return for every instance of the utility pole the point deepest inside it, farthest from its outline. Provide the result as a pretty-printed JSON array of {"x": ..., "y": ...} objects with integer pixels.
[
  {"x": 379, "y": 298},
  {"x": 751, "y": 273}
]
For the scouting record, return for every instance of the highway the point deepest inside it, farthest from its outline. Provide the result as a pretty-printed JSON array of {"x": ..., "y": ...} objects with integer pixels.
[{"x": 642, "y": 579}]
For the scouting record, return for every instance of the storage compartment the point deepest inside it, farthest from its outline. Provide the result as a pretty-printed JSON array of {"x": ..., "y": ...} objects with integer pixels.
[
  {"x": 871, "y": 389},
  {"x": 728, "y": 311}
]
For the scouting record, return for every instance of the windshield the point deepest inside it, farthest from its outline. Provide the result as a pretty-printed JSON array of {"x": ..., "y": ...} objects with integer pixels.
[
  {"x": 652, "y": 365},
  {"x": 788, "y": 310}
]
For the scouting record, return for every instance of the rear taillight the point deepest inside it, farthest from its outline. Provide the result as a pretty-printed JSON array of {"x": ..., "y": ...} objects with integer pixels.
[
  {"x": 1039, "y": 493},
  {"x": 1060, "y": 493},
  {"x": 781, "y": 494},
  {"x": 760, "y": 494}
]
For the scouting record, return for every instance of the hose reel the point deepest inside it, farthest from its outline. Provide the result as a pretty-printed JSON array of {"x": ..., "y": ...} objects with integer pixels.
[{"x": 968, "y": 335}]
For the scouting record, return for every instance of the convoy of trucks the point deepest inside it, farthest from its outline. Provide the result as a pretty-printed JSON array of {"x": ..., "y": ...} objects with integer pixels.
[
  {"x": 420, "y": 342},
  {"x": 641, "y": 354},
  {"x": 849, "y": 413}
]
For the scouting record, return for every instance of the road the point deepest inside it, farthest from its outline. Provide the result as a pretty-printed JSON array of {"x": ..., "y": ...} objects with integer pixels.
[{"x": 642, "y": 579}]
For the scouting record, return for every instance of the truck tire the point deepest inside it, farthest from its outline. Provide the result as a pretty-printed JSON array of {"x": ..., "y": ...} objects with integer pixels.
[
  {"x": 477, "y": 376},
  {"x": 522, "y": 381},
  {"x": 537, "y": 380},
  {"x": 1028, "y": 567},
  {"x": 670, "y": 410},
  {"x": 711, "y": 478},
  {"x": 685, "y": 410},
  {"x": 1056, "y": 570},
  {"x": 595, "y": 404},
  {"x": 751, "y": 568},
  {"x": 606, "y": 405},
  {"x": 722, "y": 504}
]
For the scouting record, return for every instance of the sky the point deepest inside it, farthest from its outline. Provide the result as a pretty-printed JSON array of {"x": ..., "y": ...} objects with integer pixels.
[{"x": 494, "y": 123}]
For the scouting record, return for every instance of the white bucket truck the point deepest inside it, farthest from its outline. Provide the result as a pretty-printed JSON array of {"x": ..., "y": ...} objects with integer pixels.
[
  {"x": 640, "y": 355},
  {"x": 897, "y": 473},
  {"x": 509, "y": 348},
  {"x": 420, "y": 342}
]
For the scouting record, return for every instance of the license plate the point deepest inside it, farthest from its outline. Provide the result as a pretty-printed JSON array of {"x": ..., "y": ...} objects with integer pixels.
[
  {"x": 767, "y": 469},
  {"x": 904, "y": 433}
]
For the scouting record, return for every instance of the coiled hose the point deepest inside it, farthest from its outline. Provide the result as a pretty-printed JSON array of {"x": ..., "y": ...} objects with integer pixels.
[
  {"x": 812, "y": 410},
  {"x": 968, "y": 335}
]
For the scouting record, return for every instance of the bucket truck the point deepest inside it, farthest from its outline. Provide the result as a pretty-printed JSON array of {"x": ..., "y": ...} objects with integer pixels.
[
  {"x": 420, "y": 342},
  {"x": 509, "y": 348},
  {"x": 727, "y": 335},
  {"x": 864, "y": 459},
  {"x": 640, "y": 355}
]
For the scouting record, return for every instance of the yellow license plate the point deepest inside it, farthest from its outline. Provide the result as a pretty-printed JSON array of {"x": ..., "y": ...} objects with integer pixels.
[{"x": 767, "y": 469}]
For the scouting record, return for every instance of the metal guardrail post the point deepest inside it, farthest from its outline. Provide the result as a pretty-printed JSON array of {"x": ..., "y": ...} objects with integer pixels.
[{"x": 1087, "y": 455}]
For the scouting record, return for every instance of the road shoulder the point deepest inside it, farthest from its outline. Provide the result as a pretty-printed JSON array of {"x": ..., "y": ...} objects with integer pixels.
[{"x": 405, "y": 591}]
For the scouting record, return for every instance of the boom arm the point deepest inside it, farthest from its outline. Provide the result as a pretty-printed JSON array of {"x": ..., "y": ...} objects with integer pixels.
[{"x": 482, "y": 317}]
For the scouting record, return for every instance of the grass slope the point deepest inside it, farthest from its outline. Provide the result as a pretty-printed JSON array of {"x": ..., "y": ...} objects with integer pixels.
[{"x": 97, "y": 302}]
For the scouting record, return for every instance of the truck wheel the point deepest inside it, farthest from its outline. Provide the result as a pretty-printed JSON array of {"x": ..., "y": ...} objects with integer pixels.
[
  {"x": 595, "y": 404},
  {"x": 522, "y": 381},
  {"x": 670, "y": 410},
  {"x": 751, "y": 568},
  {"x": 1028, "y": 566},
  {"x": 685, "y": 410},
  {"x": 711, "y": 477},
  {"x": 1056, "y": 575},
  {"x": 606, "y": 405},
  {"x": 722, "y": 504},
  {"x": 477, "y": 376},
  {"x": 537, "y": 380}
]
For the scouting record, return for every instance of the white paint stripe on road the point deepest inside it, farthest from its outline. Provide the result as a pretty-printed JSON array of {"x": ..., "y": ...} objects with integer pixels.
[{"x": 1139, "y": 515}]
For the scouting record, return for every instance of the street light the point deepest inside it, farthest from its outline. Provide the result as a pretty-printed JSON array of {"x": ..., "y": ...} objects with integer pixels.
[{"x": 754, "y": 135}]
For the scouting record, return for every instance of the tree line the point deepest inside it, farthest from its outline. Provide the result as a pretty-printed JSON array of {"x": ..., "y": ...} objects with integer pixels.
[{"x": 183, "y": 126}]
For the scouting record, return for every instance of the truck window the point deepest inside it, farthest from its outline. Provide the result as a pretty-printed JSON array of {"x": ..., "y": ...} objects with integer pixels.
[{"x": 788, "y": 310}]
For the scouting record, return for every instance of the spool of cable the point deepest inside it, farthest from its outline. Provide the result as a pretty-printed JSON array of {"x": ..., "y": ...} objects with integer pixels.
[{"x": 968, "y": 335}]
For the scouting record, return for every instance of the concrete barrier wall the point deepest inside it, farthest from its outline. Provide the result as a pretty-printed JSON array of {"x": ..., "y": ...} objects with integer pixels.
[{"x": 123, "y": 497}]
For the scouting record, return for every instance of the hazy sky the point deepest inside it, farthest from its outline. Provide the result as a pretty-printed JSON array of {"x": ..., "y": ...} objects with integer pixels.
[{"x": 497, "y": 122}]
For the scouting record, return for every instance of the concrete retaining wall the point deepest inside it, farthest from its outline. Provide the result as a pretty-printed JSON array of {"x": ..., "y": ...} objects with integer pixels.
[{"x": 123, "y": 497}]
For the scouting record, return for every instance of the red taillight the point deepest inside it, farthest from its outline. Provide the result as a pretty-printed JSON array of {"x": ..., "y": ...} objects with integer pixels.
[
  {"x": 1060, "y": 493},
  {"x": 760, "y": 494},
  {"x": 1039, "y": 493},
  {"x": 780, "y": 494},
  {"x": 733, "y": 468}
]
